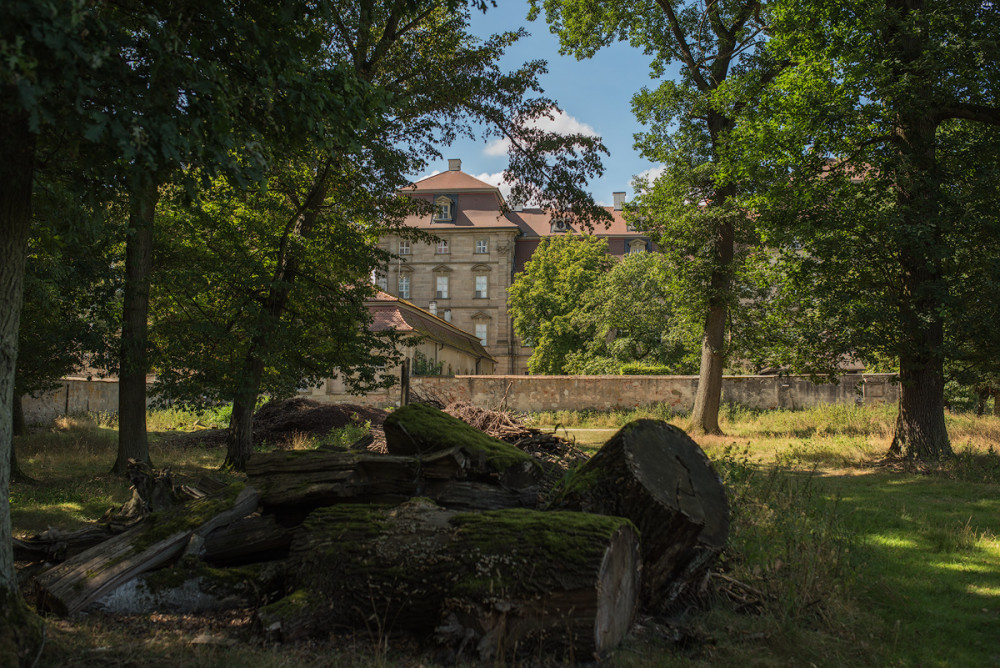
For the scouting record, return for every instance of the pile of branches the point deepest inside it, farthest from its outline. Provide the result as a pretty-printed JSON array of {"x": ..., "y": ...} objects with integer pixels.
[{"x": 509, "y": 427}]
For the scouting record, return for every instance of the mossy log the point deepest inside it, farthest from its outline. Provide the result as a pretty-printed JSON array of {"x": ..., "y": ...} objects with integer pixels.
[
  {"x": 248, "y": 540},
  {"x": 657, "y": 476},
  {"x": 69, "y": 587},
  {"x": 296, "y": 482},
  {"x": 490, "y": 582},
  {"x": 419, "y": 429}
]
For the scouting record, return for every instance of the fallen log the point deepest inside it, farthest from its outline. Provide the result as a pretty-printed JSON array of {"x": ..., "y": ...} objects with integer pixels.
[
  {"x": 318, "y": 478},
  {"x": 417, "y": 429},
  {"x": 296, "y": 482},
  {"x": 492, "y": 582},
  {"x": 248, "y": 540},
  {"x": 69, "y": 587},
  {"x": 192, "y": 586},
  {"x": 656, "y": 475},
  {"x": 56, "y": 545}
]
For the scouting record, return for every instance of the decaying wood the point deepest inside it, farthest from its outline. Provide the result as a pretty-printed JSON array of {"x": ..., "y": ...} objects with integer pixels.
[
  {"x": 68, "y": 588},
  {"x": 190, "y": 586},
  {"x": 655, "y": 475},
  {"x": 251, "y": 539},
  {"x": 152, "y": 492},
  {"x": 485, "y": 583},
  {"x": 56, "y": 545},
  {"x": 419, "y": 430},
  {"x": 311, "y": 479}
]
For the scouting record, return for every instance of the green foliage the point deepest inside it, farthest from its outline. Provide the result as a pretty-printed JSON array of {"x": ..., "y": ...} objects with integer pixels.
[
  {"x": 218, "y": 264},
  {"x": 544, "y": 297},
  {"x": 424, "y": 367},
  {"x": 631, "y": 317},
  {"x": 873, "y": 171}
]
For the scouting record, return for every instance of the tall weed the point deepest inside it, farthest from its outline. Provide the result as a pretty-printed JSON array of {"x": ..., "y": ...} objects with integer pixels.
[{"x": 787, "y": 540}]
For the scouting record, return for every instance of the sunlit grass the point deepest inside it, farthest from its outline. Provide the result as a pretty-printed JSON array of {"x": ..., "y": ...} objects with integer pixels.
[{"x": 856, "y": 564}]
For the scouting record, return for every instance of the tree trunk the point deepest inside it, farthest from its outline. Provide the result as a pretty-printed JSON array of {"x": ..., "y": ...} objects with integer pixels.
[
  {"x": 16, "y": 474},
  {"x": 493, "y": 581},
  {"x": 921, "y": 433},
  {"x": 654, "y": 474},
  {"x": 239, "y": 443},
  {"x": 133, "y": 363},
  {"x": 78, "y": 581},
  {"x": 20, "y": 633},
  {"x": 708, "y": 397},
  {"x": 239, "y": 440}
]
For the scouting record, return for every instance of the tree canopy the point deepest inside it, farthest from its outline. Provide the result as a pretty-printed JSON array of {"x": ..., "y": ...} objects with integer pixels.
[
  {"x": 544, "y": 298},
  {"x": 856, "y": 153},
  {"x": 690, "y": 205}
]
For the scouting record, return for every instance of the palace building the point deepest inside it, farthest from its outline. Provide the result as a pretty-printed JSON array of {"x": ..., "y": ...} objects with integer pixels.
[{"x": 463, "y": 277}]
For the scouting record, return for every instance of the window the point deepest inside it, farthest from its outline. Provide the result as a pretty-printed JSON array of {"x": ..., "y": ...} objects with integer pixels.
[
  {"x": 481, "y": 328},
  {"x": 636, "y": 246},
  {"x": 447, "y": 315},
  {"x": 559, "y": 226},
  {"x": 404, "y": 247},
  {"x": 482, "y": 246},
  {"x": 442, "y": 247},
  {"x": 382, "y": 282},
  {"x": 481, "y": 289},
  {"x": 442, "y": 288},
  {"x": 442, "y": 209},
  {"x": 404, "y": 287}
]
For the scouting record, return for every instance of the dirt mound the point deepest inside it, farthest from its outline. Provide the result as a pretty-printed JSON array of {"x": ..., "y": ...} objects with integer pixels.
[{"x": 276, "y": 421}]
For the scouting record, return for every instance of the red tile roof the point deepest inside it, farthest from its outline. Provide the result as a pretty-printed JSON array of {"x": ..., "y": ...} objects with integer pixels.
[
  {"x": 390, "y": 312},
  {"x": 451, "y": 180}
]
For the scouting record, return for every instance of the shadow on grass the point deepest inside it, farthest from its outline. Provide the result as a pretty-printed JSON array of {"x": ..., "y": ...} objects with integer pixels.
[{"x": 928, "y": 561}]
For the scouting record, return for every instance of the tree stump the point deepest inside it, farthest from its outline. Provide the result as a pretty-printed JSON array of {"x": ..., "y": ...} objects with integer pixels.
[
  {"x": 656, "y": 475},
  {"x": 494, "y": 582}
]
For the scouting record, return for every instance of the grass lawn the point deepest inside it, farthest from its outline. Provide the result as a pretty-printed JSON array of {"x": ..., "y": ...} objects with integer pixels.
[{"x": 835, "y": 559}]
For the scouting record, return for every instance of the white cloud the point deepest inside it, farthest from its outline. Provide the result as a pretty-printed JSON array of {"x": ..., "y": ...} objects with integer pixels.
[
  {"x": 560, "y": 123},
  {"x": 427, "y": 176},
  {"x": 496, "y": 179},
  {"x": 651, "y": 174}
]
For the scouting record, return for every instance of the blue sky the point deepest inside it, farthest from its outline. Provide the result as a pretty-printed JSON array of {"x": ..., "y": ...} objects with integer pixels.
[{"x": 596, "y": 93}]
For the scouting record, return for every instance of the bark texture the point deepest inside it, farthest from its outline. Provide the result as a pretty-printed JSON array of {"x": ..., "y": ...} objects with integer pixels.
[
  {"x": 20, "y": 632},
  {"x": 708, "y": 396},
  {"x": 653, "y": 474},
  {"x": 491, "y": 583},
  {"x": 133, "y": 364}
]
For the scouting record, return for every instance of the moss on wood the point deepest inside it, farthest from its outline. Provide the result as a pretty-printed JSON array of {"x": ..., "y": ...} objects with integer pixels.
[
  {"x": 185, "y": 518},
  {"x": 431, "y": 430}
]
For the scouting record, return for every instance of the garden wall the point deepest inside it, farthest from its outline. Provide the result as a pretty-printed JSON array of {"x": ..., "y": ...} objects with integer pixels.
[
  {"x": 535, "y": 393},
  {"x": 553, "y": 393}
]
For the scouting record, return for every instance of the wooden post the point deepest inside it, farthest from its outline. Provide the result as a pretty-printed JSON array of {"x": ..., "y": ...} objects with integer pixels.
[{"x": 404, "y": 383}]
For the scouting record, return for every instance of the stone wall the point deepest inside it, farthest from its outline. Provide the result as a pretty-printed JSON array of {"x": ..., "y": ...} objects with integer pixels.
[
  {"x": 553, "y": 393},
  {"x": 538, "y": 393},
  {"x": 74, "y": 395}
]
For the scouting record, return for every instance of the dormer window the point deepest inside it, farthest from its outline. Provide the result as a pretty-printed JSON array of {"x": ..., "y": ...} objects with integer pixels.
[
  {"x": 442, "y": 209},
  {"x": 558, "y": 226}
]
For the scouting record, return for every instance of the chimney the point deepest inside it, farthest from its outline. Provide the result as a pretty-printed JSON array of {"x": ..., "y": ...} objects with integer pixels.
[
  {"x": 619, "y": 199},
  {"x": 454, "y": 165}
]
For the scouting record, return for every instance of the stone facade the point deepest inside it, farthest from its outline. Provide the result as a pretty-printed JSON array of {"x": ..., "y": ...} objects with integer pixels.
[{"x": 483, "y": 244}]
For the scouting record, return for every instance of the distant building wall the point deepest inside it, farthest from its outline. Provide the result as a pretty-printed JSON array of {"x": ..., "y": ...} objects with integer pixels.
[{"x": 537, "y": 393}]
